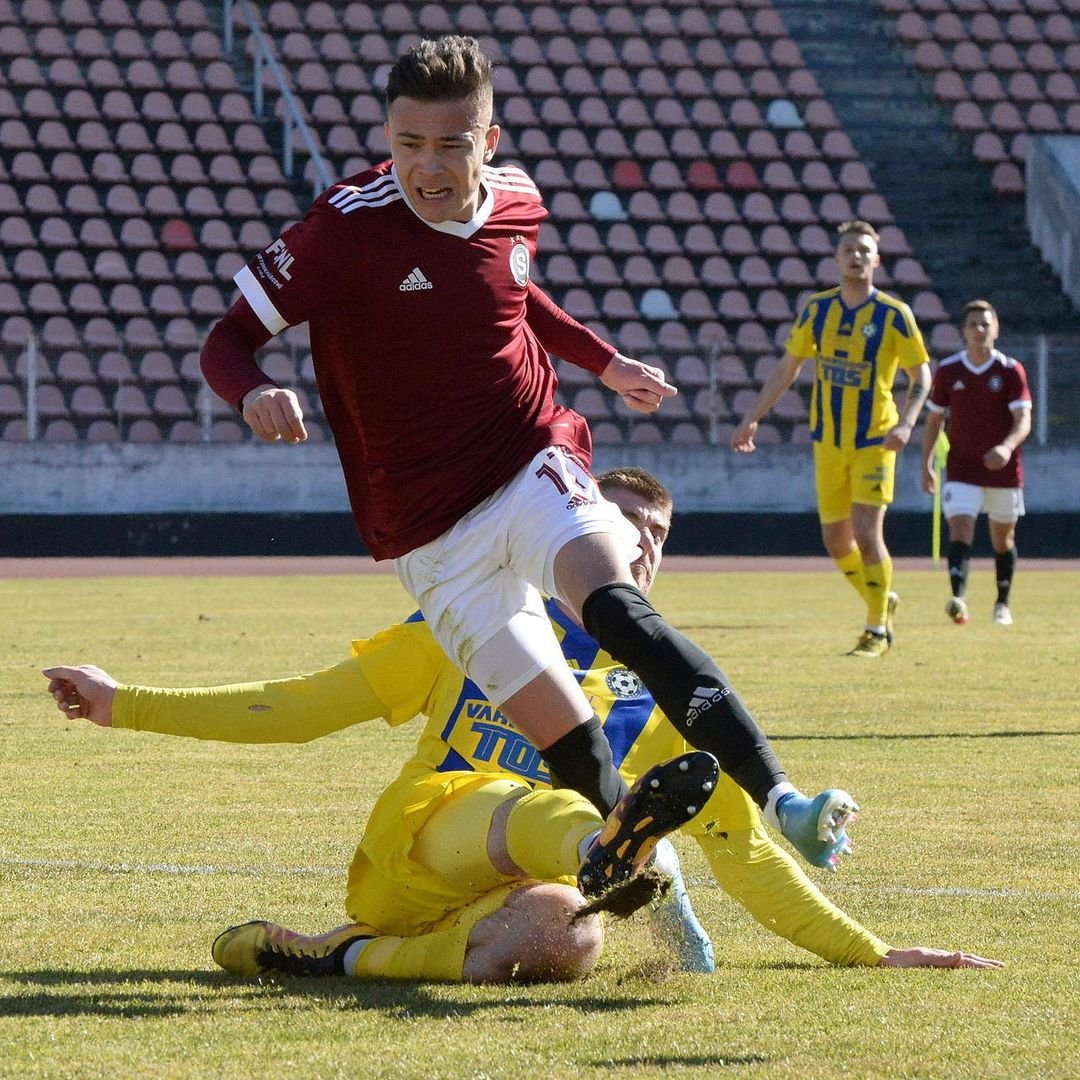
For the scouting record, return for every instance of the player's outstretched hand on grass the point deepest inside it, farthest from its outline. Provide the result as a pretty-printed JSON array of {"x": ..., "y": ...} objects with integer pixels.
[
  {"x": 920, "y": 957},
  {"x": 274, "y": 413},
  {"x": 641, "y": 386},
  {"x": 83, "y": 692}
]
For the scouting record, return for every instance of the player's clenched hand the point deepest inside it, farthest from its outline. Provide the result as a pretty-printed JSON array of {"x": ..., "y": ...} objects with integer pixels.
[
  {"x": 274, "y": 413},
  {"x": 921, "y": 957},
  {"x": 641, "y": 386},
  {"x": 84, "y": 692}
]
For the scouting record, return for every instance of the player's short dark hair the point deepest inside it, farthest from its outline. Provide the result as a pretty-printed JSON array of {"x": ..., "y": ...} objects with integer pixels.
[
  {"x": 640, "y": 482},
  {"x": 979, "y": 305},
  {"x": 448, "y": 68},
  {"x": 857, "y": 228}
]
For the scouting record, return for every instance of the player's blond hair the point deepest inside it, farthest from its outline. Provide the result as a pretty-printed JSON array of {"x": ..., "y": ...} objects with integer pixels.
[
  {"x": 637, "y": 480},
  {"x": 857, "y": 228},
  {"x": 448, "y": 68}
]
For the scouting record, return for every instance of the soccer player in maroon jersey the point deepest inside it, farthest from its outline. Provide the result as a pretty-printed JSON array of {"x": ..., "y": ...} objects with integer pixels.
[
  {"x": 985, "y": 395},
  {"x": 430, "y": 346}
]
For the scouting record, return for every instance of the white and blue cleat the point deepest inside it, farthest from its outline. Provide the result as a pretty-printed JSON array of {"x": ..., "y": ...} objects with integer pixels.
[
  {"x": 673, "y": 922},
  {"x": 817, "y": 828}
]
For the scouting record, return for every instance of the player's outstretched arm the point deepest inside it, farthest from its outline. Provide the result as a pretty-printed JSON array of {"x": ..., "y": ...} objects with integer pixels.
[
  {"x": 641, "y": 386},
  {"x": 291, "y": 710},
  {"x": 84, "y": 692},
  {"x": 780, "y": 379},
  {"x": 931, "y": 430},
  {"x": 919, "y": 957}
]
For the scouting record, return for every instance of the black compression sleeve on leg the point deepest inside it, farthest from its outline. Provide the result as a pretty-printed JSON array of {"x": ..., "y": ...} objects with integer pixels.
[
  {"x": 959, "y": 564},
  {"x": 581, "y": 760},
  {"x": 686, "y": 683},
  {"x": 1004, "y": 568}
]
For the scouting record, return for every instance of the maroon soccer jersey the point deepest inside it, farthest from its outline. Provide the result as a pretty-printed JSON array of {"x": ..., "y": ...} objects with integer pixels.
[
  {"x": 430, "y": 347},
  {"x": 980, "y": 401}
]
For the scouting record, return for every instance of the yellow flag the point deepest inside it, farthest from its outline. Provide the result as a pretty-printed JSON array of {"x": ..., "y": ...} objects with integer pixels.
[{"x": 941, "y": 450}]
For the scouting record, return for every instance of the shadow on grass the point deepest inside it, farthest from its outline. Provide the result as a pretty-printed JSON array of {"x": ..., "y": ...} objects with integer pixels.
[
  {"x": 915, "y": 735},
  {"x": 670, "y": 1061},
  {"x": 55, "y": 992}
]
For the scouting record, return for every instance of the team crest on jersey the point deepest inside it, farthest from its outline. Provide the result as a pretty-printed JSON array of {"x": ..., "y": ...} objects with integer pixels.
[
  {"x": 869, "y": 330},
  {"x": 623, "y": 683},
  {"x": 519, "y": 263},
  {"x": 995, "y": 383}
]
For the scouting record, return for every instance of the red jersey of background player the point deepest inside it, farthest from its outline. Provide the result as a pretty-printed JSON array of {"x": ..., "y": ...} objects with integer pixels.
[
  {"x": 429, "y": 342},
  {"x": 980, "y": 401}
]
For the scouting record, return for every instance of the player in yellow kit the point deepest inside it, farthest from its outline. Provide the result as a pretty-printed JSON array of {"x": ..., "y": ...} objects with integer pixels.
[
  {"x": 466, "y": 867},
  {"x": 858, "y": 337}
]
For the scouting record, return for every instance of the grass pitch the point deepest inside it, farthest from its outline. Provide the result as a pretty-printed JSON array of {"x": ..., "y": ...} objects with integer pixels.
[{"x": 122, "y": 854}]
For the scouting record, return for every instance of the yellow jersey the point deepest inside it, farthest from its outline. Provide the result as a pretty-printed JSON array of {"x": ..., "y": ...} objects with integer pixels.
[
  {"x": 856, "y": 353},
  {"x": 465, "y": 738}
]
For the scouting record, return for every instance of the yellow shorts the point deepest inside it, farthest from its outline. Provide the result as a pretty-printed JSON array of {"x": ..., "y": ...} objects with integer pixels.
[
  {"x": 392, "y": 892},
  {"x": 843, "y": 477}
]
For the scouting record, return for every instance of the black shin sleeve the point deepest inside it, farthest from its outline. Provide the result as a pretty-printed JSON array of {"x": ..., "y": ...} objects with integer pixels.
[
  {"x": 581, "y": 760},
  {"x": 959, "y": 559},
  {"x": 686, "y": 683}
]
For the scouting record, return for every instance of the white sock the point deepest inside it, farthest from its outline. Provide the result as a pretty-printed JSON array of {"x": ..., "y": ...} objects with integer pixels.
[
  {"x": 773, "y": 798},
  {"x": 352, "y": 954}
]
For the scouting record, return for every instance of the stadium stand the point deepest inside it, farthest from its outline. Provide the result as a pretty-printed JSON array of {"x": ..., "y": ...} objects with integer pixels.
[{"x": 693, "y": 168}]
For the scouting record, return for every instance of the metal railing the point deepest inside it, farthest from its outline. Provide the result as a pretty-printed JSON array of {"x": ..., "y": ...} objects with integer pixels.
[{"x": 293, "y": 122}]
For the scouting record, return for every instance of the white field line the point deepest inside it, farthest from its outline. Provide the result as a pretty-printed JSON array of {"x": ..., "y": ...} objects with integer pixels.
[{"x": 209, "y": 869}]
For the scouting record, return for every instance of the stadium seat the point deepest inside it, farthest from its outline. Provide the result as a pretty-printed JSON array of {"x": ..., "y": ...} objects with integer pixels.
[
  {"x": 1007, "y": 180},
  {"x": 60, "y": 430},
  {"x": 702, "y": 176},
  {"x": 656, "y": 304},
  {"x": 88, "y": 403}
]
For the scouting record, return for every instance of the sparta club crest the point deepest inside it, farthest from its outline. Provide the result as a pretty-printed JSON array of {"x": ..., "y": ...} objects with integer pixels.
[
  {"x": 623, "y": 683},
  {"x": 519, "y": 264}
]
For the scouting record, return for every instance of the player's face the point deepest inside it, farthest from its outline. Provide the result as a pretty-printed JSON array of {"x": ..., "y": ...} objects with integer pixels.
[
  {"x": 439, "y": 149},
  {"x": 857, "y": 257},
  {"x": 653, "y": 525},
  {"x": 980, "y": 331}
]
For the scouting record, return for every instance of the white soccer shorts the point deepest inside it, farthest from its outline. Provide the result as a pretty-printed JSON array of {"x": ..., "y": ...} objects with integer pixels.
[
  {"x": 486, "y": 573},
  {"x": 1004, "y": 505}
]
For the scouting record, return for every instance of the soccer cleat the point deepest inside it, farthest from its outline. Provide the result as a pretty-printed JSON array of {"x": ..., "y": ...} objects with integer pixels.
[
  {"x": 890, "y": 615},
  {"x": 673, "y": 922},
  {"x": 957, "y": 610},
  {"x": 1002, "y": 615},
  {"x": 264, "y": 948},
  {"x": 816, "y": 827},
  {"x": 663, "y": 798},
  {"x": 871, "y": 645}
]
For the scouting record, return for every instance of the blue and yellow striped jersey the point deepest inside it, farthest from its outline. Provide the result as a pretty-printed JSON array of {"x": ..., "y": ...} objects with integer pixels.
[
  {"x": 402, "y": 673},
  {"x": 856, "y": 353},
  {"x": 466, "y": 732}
]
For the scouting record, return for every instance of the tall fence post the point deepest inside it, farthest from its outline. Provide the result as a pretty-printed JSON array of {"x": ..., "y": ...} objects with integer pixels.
[
  {"x": 31, "y": 387},
  {"x": 1042, "y": 392}
]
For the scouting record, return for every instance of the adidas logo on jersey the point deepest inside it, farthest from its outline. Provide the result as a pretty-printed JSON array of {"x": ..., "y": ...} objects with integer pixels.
[
  {"x": 704, "y": 698},
  {"x": 416, "y": 281}
]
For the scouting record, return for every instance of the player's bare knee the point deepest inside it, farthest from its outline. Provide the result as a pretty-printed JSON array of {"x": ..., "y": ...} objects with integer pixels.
[{"x": 534, "y": 937}]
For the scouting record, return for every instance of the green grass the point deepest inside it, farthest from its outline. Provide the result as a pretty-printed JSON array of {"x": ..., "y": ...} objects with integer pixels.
[{"x": 123, "y": 854}]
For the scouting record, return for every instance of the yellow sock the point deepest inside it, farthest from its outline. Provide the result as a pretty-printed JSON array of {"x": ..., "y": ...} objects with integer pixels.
[
  {"x": 435, "y": 956},
  {"x": 851, "y": 566},
  {"x": 878, "y": 583},
  {"x": 545, "y": 830}
]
